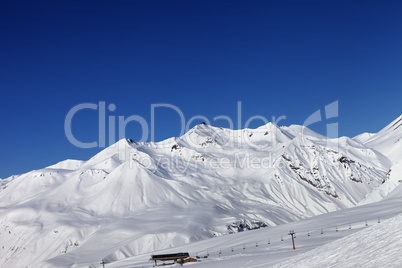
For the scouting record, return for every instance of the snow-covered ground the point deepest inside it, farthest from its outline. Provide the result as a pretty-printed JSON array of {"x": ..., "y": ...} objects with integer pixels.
[
  {"x": 364, "y": 236},
  {"x": 376, "y": 246},
  {"x": 181, "y": 194}
]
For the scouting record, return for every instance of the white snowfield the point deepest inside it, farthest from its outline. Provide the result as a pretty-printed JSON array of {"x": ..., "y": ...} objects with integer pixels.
[
  {"x": 376, "y": 246},
  {"x": 364, "y": 236},
  {"x": 135, "y": 198}
]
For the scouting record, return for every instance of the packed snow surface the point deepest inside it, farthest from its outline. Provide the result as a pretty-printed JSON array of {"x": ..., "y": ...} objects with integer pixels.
[{"x": 376, "y": 246}]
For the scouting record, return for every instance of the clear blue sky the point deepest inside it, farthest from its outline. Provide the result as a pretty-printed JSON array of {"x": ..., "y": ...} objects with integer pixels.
[{"x": 276, "y": 57}]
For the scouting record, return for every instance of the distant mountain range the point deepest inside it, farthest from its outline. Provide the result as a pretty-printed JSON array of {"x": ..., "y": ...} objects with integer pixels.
[{"x": 135, "y": 197}]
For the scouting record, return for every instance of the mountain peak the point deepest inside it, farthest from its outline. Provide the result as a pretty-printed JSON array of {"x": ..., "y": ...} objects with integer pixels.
[
  {"x": 210, "y": 176},
  {"x": 388, "y": 140},
  {"x": 396, "y": 123}
]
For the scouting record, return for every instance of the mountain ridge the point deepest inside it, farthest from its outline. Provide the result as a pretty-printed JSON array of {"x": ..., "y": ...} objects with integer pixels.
[{"x": 182, "y": 189}]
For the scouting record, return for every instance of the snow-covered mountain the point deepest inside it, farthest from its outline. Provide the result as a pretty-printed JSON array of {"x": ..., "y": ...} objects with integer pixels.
[
  {"x": 389, "y": 140},
  {"x": 134, "y": 197}
]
